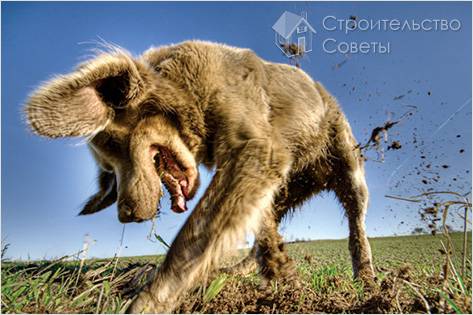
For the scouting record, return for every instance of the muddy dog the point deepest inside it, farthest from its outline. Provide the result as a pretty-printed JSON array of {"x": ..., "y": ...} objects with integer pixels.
[{"x": 274, "y": 136}]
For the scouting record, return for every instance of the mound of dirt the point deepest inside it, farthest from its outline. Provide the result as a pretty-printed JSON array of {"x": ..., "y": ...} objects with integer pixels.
[
  {"x": 242, "y": 296},
  {"x": 391, "y": 295}
]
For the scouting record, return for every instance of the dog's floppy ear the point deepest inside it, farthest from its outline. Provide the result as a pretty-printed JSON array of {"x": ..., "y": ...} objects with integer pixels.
[
  {"x": 106, "y": 195},
  {"x": 82, "y": 103}
]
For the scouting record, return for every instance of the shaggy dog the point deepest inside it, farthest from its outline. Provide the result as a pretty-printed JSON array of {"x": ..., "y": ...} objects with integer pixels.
[{"x": 274, "y": 136}]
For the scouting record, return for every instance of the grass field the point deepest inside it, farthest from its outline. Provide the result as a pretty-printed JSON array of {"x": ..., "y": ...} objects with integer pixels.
[{"x": 415, "y": 275}]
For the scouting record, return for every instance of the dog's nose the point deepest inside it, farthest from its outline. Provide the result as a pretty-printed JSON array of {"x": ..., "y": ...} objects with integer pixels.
[{"x": 126, "y": 214}]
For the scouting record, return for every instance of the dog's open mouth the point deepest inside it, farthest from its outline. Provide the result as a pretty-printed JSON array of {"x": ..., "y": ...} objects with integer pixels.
[{"x": 173, "y": 176}]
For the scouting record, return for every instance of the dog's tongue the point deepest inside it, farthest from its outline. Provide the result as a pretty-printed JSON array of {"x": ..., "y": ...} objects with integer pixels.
[
  {"x": 176, "y": 190},
  {"x": 175, "y": 181},
  {"x": 178, "y": 199},
  {"x": 178, "y": 204},
  {"x": 184, "y": 188}
]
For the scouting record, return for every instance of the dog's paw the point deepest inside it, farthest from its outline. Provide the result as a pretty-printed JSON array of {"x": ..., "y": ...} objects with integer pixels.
[
  {"x": 145, "y": 303},
  {"x": 369, "y": 281}
]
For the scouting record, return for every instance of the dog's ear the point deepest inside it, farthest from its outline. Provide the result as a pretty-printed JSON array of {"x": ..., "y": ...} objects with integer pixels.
[
  {"x": 83, "y": 102},
  {"x": 106, "y": 195}
]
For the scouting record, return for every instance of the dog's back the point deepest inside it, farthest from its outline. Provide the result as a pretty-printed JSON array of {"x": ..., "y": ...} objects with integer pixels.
[{"x": 300, "y": 109}]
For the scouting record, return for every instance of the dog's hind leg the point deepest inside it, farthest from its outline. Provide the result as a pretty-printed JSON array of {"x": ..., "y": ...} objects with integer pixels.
[{"x": 349, "y": 184}]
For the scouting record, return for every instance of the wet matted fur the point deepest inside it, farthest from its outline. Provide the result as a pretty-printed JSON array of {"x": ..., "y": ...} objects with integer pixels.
[{"x": 274, "y": 136}]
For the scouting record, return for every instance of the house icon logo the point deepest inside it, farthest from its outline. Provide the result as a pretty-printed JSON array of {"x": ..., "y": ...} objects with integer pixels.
[{"x": 293, "y": 34}]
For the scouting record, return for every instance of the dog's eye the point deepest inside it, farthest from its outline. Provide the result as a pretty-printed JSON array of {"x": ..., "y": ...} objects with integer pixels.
[
  {"x": 113, "y": 145},
  {"x": 101, "y": 139}
]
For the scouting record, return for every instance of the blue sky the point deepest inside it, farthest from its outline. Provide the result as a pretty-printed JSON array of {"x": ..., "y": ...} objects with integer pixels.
[{"x": 45, "y": 182}]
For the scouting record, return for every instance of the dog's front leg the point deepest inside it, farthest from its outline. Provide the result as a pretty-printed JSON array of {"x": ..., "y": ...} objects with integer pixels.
[{"x": 236, "y": 200}]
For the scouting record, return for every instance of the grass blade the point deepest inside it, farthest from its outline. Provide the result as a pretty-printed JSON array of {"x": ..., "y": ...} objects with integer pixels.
[
  {"x": 215, "y": 287},
  {"x": 451, "y": 303},
  {"x": 161, "y": 240}
]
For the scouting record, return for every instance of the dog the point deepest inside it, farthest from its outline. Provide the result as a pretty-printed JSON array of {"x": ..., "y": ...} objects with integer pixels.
[{"x": 274, "y": 136}]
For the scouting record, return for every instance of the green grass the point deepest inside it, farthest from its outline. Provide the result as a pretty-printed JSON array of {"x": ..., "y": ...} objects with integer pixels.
[{"x": 408, "y": 268}]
